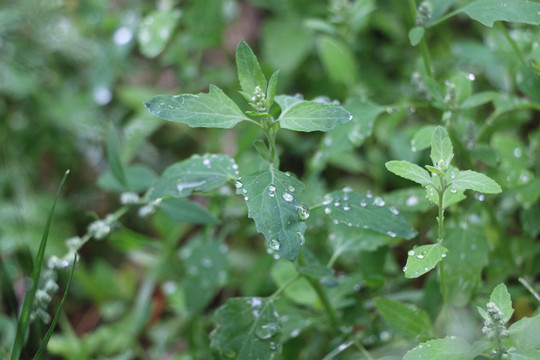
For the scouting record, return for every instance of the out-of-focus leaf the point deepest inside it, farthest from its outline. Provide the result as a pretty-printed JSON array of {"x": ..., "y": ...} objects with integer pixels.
[
  {"x": 186, "y": 211},
  {"x": 407, "y": 318},
  {"x": 442, "y": 349},
  {"x": 489, "y": 11},
  {"x": 313, "y": 116},
  {"x": 156, "y": 30}
]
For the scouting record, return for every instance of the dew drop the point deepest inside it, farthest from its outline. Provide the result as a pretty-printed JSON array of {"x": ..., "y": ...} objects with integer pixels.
[
  {"x": 404, "y": 268},
  {"x": 346, "y": 207},
  {"x": 271, "y": 194},
  {"x": 391, "y": 234},
  {"x": 471, "y": 76},
  {"x": 246, "y": 198},
  {"x": 274, "y": 244},
  {"x": 443, "y": 255},
  {"x": 369, "y": 194},
  {"x": 518, "y": 152},
  {"x": 347, "y": 189},
  {"x": 337, "y": 203},
  {"x": 291, "y": 188},
  {"x": 266, "y": 331},
  {"x": 420, "y": 256},
  {"x": 207, "y": 263},
  {"x": 206, "y": 162},
  {"x": 426, "y": 269},
  {"x": 303, "y": 212},
  {"x": 453, "y": 191},
  {"x": 378, "y": 201},
  {"x": 350, "y": 117},
  {"x": 394, "y": 210},
  {"x": 335, "y": 221},
  {"x": 411, "y": 253},
  {"x": 327, "y": 211},
  {"x": 287, "y": 197},
  {"x": 238, "y": 184},
  {"x": 363, "y": 203},
  {"x": 272, "y": 188},
  {"x": 302, "y": 238}
]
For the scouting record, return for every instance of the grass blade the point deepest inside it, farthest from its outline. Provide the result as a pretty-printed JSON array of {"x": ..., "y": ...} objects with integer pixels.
[
  {"x": 24, "y": 319},
  {"x": 48, "y": 335}
]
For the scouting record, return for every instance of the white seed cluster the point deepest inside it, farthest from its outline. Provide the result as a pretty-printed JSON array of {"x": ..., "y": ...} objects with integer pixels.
[
  {"x": 258, "y": 100},
  {"x": 423, "y": 14}
]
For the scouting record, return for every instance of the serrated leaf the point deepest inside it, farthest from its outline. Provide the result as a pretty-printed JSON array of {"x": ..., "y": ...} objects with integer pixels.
[
  {"x": 249, "y": 71},
  {"x": 471, "y": 180},
  {"x": 273, "y": 199},
  {"x": 489, "y": 11},
  {"x": 185, "y": 211},
  {"x": 313, "y": 116},
  {"x": 501, "y": 297},
  {"x": 407, "y": 318},
  {"x": 247, "y": 328},
  {"x": 422, "y": 138},
  {"x": 206, "y": 271},
  {"x": 409, "y": 171},
  {"x": 441, "y": 149},
  {"x": 366, "y": 212},
  {"x": 442, "y": 349},
  {"x": 214, "y": 109},
  {"x": 468, "y": 250},
  {"x": 416, "y": 34},
  {"x": 155, "y": 31},
  {"x": 422, "y": 259},
  {"x": 198, "y": 173}
]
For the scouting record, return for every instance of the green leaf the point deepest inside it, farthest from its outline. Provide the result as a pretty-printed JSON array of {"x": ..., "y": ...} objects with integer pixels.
[
  {"x": 409, "y": 171},
  {"x": 313, "y": 116},
  {"x": 214, "y": 109},
  {"x": 441, "y": 149},
  {"x": 524, "y": 335},
  {"x": 450, "y": 196},
  {"x": 155, "y": 31},
  {"x": 299, "y": 291},
  {"x": 422, "y": 138},
  {"x": 113, "y": 156},
  {"x": 353, "y": 133},
  {"x": 249, "y": 70},
  {"x": 489, "y": 11},
  {"x": 24, "y": 318},
  {"x": 468, "y": 250},
  {"x": 422, "y": 259},
  {"x": 206, "y": 266},
  {"x": 442, "y": 349},
  {"x": 475, "y": 181},
  {"x": 351, "y": 240},
  {"x": 198, "y": 173},
  {"x": 501, "y": 297},
  {"x": 273, "y": 199},
  {"x": 247, "y": 328},
  {"x": 338, "y": 60},
  {"x": 271, "y": 91},
  {"x": 285, "y": 102},
  {"x": 479, "y": 99},
  {"x": 139, "y": 178},
  {"x": 416, "y": 34},
  {"x": 364, "y": 211},
  {"x": 407, "y": 318},
  {"x": 185, "y": 211}
]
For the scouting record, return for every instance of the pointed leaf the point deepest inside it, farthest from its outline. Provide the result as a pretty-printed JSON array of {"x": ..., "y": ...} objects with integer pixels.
[
  {"x": 337, "y": 59},
  {"x": 198, "y": 173},
  {"x": 501, "y": 297},
  {"x": 274, "y": 200},
  {"x": 524, "y": 334},
  {"x": 441, "y": 149},
  {"x": 313, "y": 116},
  {"x": 489, "y": 11},
  {"x": 422, "y": 259},
  {"x": 247, "y": 328},
  {"x": 409, "y": 171},
  {"x": 442, "y": 349},
  {"x": 475, "y": 181},
  {"x": 249, "y": 70},
  {"x": 359, "y": 210},
  {"x": 214, "y": 109},
  {"x": 407, "y": 318},
  {"x": 285, "y": 102},
  {"x": 271, "y": 91}
]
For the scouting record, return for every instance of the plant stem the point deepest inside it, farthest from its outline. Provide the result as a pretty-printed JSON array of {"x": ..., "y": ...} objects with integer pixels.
[
  {"x": 423, "y": 47},
  {"x": 530, "y": 288},
  {"x": 330, "y": 312},
  {"x": 362, "y": 349},
  {"x": 440, "y": 220}
]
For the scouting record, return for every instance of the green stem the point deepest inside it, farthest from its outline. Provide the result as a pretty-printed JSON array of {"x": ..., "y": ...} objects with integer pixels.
[
  {"x": 284, "y": 286},
  {"x": 440, "y": 220},
  {"x": 513, "y": 44},
  {"x": 530, "y": 288},
  {"x": 362, "y": 349},
  {"x": 330, "y": 312},
  {"x": 423, "y": 47}
]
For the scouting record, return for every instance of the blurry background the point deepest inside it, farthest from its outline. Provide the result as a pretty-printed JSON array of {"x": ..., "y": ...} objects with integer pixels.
[{"x": 71, "y": 69}]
